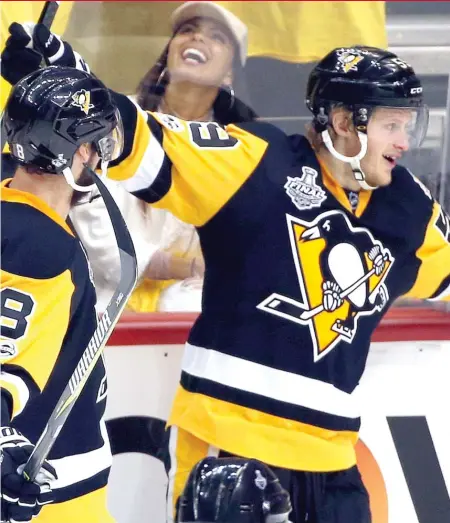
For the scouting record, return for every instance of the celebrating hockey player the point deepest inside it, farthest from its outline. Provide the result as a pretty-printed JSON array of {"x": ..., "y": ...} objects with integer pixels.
[
  {"x": 307, "y": 242},
  {"x": 57, "y": 120}
]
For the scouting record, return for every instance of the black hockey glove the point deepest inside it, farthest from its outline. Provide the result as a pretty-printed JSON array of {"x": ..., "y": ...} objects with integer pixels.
[
  {"x": 18, "y": 57},
  {"x": 55, "y": 51},
  {"x": 21, "y": 499},
  {"x": 30, "y": 44}
]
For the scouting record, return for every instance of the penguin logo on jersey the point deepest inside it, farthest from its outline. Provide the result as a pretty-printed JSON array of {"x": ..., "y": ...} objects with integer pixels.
[
  {"x": 82, "y": 99},
  {"x": 341, "y": 270}
]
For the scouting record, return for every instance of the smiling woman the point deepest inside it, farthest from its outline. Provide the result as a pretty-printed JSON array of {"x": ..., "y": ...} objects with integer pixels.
[
  {"x": 193, "y": 80},
  {"x": 194, "y": 75}
]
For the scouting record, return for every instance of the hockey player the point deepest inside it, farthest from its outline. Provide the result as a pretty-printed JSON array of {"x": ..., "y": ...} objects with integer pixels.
[
  {"x": 231, "y": 490},
  {"x": 307, "y": 242},
  {"x": 57, "y": 120}
]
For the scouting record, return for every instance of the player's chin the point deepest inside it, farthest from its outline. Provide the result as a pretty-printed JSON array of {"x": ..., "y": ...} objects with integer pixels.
[
  {"x": 380, "y": 179},
  {"x": 384, "y": 178}
]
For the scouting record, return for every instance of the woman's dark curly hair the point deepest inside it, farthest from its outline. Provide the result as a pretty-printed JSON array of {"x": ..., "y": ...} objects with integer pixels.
[{"x": 153, "y": 86}]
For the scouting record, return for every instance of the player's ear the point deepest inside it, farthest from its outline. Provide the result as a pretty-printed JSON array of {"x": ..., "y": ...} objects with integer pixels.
[
  {"x": 84, "y": 152},
  {"x": 342, "y": 123}
]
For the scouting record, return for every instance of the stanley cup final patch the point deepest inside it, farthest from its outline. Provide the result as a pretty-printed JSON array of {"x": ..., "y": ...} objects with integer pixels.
[{"x": 304, "y": 192}]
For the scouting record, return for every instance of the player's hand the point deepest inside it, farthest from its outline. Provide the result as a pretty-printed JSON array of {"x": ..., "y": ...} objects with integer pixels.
[
  {"x": 21, "y": 500},
  {"x": 331, "y": 299},
  {"x": 56, "y": 51},
  {"x": 377, "y": 258},
  {"x": 18, "y": 56},
  {"x": 28, "y": 45}
]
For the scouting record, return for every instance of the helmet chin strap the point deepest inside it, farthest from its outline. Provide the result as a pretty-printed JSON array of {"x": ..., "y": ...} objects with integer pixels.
[
  {"x": 354, "y": 161},
  {"x": 68, "y": 175},
  {"x": 104, "y": 167}
]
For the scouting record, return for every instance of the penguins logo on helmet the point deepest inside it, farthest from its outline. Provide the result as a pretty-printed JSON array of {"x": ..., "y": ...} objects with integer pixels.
[
  {"x": 82, "y": 99},
  {"x": 349, "y": 61}
]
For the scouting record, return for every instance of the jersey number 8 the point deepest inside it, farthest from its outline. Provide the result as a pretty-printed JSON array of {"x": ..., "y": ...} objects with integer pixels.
[{"x": 16, "y": 306}]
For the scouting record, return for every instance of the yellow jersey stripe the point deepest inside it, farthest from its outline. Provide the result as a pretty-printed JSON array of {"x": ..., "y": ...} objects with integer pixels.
[
  {"x": 433, "y": 254},
  {"x": 267, "y": 437},
  {"x": 90, "y": 508},
  {"x": 338, "y": 192},
  {"x": 17, "y": 196}
]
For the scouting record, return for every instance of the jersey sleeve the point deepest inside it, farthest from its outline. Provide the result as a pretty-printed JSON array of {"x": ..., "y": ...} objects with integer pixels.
[
  {"x": 189, "y": 168},
  {"x": 433, "y": 276},
  {"x": 35, "y": 314}
]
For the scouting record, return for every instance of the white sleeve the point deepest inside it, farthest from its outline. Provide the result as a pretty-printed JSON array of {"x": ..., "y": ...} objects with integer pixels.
[
  {"x": 93, "y": 226},
  {"x": 180, "y": 238}
]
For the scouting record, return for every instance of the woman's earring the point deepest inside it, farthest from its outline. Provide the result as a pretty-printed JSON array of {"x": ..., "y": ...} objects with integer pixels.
[
  {"x": 161, "y": 77},
  {"x": 231, "y": 94}
]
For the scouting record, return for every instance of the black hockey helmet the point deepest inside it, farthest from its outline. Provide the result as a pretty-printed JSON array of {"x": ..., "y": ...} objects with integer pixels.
[
  {"x": 54, "y": 110},
  {"x": 233, "y": 490},
  {"x": 362, "y": 78}
]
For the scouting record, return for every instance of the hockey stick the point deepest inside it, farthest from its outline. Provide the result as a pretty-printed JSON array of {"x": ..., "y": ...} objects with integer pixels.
[
  {"x": 48, "y": 13},
  {"x": 46, "y": 17},
  {"x": 128, "y": 276}
]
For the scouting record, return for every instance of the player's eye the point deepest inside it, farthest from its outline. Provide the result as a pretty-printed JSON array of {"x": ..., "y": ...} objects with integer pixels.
[{"x": 392, "y": 127}]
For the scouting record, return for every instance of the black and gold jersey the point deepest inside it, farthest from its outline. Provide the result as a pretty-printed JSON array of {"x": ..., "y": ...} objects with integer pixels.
[
  {"x": 296, "y": 281},
  {"x": 47, "y": 319}
]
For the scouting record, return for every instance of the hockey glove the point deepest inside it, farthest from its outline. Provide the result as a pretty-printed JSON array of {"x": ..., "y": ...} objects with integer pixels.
[
  {"x": 31, "y": 43},
  {"x": 18, "y": 57},
  {"x": 21, "y": 499},
  {"x": 55, "y": 51}
]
